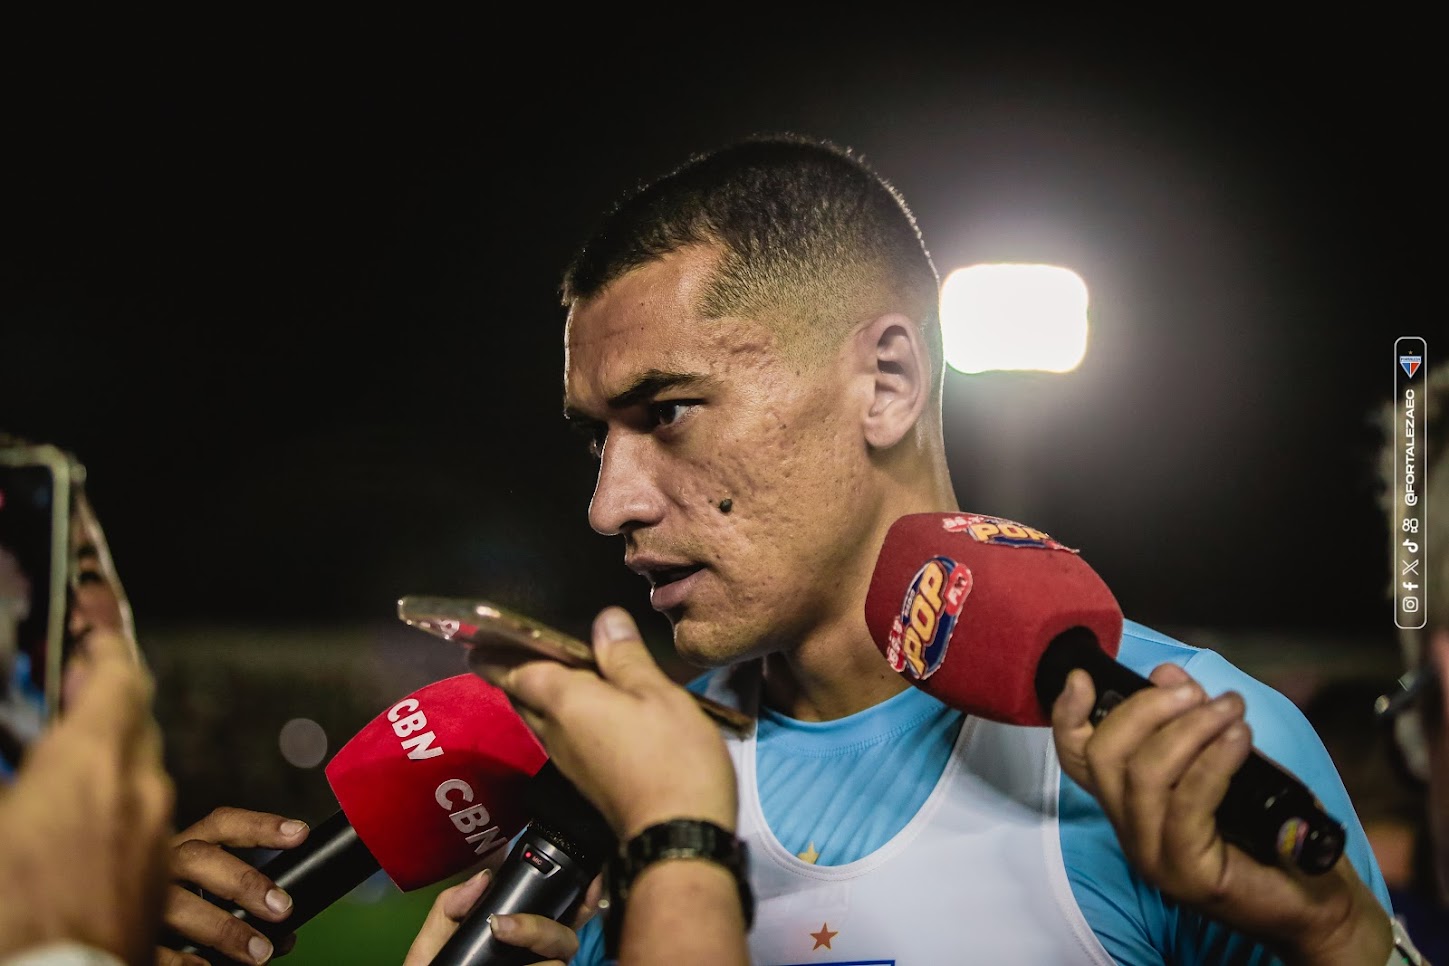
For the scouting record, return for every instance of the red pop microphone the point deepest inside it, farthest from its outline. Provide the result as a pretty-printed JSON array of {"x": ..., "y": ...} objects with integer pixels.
[
  {"x": 993, "y": 594},
  {"x": 427, "y": 788},
  {"x": 990, "y": 616}
]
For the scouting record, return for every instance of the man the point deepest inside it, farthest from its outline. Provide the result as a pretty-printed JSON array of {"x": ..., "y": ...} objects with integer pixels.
[
  {"x": 1421, "y": 719},
  {"x": 199, "y": 855},
  {"x": 753, "y": 351},
  {"x": 85, "y": 831}
]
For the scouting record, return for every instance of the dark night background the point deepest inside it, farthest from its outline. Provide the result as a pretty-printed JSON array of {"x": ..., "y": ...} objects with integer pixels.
[
  {"x": 293, "y": 298},
  {"x": 290, "y": 292}
]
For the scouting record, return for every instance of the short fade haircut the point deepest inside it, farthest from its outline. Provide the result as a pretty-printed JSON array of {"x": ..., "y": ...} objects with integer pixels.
[
  {"x": 811, "y": 240},
  {"x": 1433, "y": 475}
]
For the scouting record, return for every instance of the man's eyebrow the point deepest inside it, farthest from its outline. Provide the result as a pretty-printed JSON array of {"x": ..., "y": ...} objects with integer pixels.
[
  {"x": 88, "y": 550},
  {"x": 647, "y": 386}
]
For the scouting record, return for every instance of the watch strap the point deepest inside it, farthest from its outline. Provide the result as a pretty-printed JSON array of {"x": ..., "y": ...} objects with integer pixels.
[{"x": 682, "y": 838}]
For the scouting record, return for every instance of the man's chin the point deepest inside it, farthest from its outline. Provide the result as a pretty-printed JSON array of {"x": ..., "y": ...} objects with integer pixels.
[{"x": 707, "y": 644}]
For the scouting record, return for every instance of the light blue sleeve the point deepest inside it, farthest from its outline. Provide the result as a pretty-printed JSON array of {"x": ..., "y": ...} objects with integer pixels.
[
  {"x": 1135, "y": 923},
  {"x": 591, "y": 944}
]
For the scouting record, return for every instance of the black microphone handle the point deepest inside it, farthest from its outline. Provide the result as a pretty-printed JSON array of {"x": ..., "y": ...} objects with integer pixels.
[
  {"x": 539, "y": 876},
  {"x": 324, "y": 868},
  {"x": 1267, "y": 812},
  {"x": 547, "y": 871}
]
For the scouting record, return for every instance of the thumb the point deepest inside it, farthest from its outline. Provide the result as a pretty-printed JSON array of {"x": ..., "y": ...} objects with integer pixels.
[
  {"x": 110, "y": 692},
  {"x": 621, "y": 655},
  {"x": 1072, "y": 726}
]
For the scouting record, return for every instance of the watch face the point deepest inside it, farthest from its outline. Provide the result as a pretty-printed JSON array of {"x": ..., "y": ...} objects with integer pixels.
[{"x": 680, "y": 839}]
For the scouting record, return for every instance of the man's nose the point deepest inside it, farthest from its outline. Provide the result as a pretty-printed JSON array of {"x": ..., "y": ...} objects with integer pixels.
[{"x": 626, "y": 495}]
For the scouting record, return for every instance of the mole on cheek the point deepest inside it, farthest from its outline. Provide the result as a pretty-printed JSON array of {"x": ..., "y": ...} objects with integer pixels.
[{"x": 726, "y": 505}]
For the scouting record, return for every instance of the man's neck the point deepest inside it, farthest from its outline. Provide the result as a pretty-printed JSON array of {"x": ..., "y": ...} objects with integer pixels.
[
  {"x": 838, "y": 670},
  {"x": 829, "y": 679}
]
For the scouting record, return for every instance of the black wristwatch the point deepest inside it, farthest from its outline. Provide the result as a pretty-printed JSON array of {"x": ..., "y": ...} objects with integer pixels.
[{"x": 682, "y": 838}]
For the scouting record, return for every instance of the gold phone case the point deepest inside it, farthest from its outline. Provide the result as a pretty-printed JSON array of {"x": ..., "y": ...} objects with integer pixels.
[{"x": 484, "y": 626}]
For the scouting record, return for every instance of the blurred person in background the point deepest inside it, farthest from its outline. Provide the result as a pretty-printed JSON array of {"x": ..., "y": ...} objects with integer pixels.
[
  {"x": 204, "y": 869},
  {"x": 1418, "y": 710},
  {"x": 94, "y": 599},
  {"x": 1390, "y": 802},
  {"x": 197, "y": 856}
]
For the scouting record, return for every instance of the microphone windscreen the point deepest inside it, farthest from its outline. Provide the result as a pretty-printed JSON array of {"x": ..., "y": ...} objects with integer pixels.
[
  {"x": 963, "y": 606},
  {"x": 437, "y": 781}
]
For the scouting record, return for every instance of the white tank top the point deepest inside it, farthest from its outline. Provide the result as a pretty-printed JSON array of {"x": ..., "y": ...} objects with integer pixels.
[{"x": 976, "y": 876}]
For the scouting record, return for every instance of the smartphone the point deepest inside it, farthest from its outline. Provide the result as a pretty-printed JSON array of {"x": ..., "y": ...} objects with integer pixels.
[
  {"x": 37, "y": 487},
  {"x": 504, "y": 635}
]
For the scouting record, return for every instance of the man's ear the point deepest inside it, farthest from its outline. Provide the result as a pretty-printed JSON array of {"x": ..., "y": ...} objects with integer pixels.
[{"x": 892, "y": 360}]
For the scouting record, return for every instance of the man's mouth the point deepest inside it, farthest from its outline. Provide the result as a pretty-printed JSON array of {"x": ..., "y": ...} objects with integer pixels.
[{"x": 664, "y": 576}]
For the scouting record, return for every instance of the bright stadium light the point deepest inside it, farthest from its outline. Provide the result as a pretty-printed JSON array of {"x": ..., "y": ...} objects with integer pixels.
[{"x": 1014, "y": 317}]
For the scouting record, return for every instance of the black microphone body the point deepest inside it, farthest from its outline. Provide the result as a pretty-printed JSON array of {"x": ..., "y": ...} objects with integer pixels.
[
  {"x": 1267, "y": 812},
  {"x": 324, "y": 868},
  {"x": 547, "y": 872},
  {"x": 549, "y": 882}
]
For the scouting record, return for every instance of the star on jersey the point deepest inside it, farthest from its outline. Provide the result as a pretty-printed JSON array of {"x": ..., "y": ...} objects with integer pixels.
[
  {"x": 809, "y": 855},
  {"x": 823, "y": 937}
]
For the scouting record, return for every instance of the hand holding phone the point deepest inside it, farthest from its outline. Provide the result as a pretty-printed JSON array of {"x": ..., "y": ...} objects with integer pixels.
[
  {"x": 36, "y": 488},
  {"x": 510, "y": 637}
]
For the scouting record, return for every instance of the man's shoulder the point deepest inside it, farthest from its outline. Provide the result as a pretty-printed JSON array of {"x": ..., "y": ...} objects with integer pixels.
[
  {"x": 1274, "y": 718},
  {"x": 1144, "y": 648}
]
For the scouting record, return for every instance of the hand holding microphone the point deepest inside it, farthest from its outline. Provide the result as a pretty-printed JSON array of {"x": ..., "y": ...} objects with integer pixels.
[
  {"x": 428, "y": 788},
  {"x": 547, "y": 874},
  {"x": 1003, "y": 622},
  {"x": 200, "y": 859},
  {"x": 992, "y": 617},
  {"x": 644, "y": 752}
]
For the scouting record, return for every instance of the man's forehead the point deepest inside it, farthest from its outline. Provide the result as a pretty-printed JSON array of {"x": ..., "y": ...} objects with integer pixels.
[
  {"x": 660, "y": 293},
  {"x": 649, "y": 322},
  {"x": 598, "y": 371}
]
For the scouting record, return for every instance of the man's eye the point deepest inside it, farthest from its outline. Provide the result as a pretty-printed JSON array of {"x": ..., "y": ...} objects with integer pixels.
[
  {"x": 592, "y": 434},
  {"x": 670, "y": 412}
]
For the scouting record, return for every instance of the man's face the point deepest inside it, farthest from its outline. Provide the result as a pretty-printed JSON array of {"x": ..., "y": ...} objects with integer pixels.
[{"x": 686, "y": 413}]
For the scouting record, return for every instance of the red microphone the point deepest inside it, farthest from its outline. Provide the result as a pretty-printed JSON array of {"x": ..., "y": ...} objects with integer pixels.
[
  {"x": 990, "y": 616},
  {"x": 436, "y": 781},
  {"x": 991, "y": 593},
  {"x": 427, "y": 788}
]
